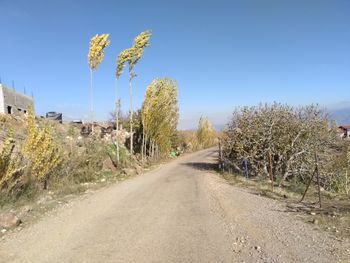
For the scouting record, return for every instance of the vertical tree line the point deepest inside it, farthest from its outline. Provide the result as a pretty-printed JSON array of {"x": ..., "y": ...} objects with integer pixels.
[
  {"x": 132, "y": 56},
  {"x": 159, "y": 116}
]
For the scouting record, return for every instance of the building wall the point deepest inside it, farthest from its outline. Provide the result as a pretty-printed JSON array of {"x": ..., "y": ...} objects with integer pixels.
[{"x": 18, "y": 102}]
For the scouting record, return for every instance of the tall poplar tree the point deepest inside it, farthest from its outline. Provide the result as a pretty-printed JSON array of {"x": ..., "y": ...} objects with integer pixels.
[
  {"x": 98, "y": 43},
  {"x": 132, "y": 56},
  {"x": 205, "y": 133},
  {"x": 159, "y": 115}
]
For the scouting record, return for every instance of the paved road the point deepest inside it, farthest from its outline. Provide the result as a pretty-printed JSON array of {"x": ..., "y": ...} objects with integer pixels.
[{"x": 180, "y": 212}]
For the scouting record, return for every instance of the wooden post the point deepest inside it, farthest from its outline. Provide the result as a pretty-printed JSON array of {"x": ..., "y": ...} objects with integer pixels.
[
  {"x": 346, "y": 182},
  {"x": 318, "y": 180},
  {"x": 308, "y": 185},
  {"x": 245, "y": 163},
  {"x": 220, "y": 157},
  {"x": 271, "y": 173}
]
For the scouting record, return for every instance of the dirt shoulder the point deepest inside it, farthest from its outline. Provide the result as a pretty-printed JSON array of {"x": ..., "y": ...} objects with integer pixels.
[
  {"x": 268, "y": 227},
  {"x": 182, "y": 212}
]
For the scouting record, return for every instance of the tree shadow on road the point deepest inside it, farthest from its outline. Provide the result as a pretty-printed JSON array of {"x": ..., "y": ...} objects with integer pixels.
[{"x": 202, "y": 166}]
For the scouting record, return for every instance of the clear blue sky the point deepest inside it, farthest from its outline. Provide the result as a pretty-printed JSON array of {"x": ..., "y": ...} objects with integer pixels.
[{"x": 222, "y": 53}]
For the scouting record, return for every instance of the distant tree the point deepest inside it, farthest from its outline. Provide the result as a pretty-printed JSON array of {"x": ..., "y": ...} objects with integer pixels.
[
  {"x": 132, "y": 56},
  {"x": 98, "y": 43},
  {"x": 159, "y": 115},
  {"x": 205, "y": 133}
]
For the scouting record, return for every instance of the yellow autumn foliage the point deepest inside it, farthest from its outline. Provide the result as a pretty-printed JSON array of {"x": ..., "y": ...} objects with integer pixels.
[
  {"x": 205, "y": 134},
  {"x": 96, "y": 50},
  {"x": 133, "y": 54},
  {"x": 40, "y": 149},
  {"x": 125, "y": 56},
  {"x": 7, "y": 163}
]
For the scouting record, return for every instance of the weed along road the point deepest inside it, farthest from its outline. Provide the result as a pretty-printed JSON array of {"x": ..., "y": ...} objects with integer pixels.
[{"x": 180, "y": 212}]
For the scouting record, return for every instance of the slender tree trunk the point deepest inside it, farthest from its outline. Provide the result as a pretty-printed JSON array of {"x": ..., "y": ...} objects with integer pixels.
[
  {"x": 308, "y": 185},
  {"x": 117, "y": 141},
  {"x": 117, "y": 105},
  {"x": 271, "y": 172},
  {"x": 146, "y": 140},
  {"x": 131, "y": 113},
  {"x": 143, "y": 141},
  {"x": 156, "y": 152},
  {"x": 91, "y": 98},
  {"x": 318, "y": 181},
  {"x": 144, "y": 147},
  {"x": 346, "y": 182},
  {"x": 150, "y": 149}
]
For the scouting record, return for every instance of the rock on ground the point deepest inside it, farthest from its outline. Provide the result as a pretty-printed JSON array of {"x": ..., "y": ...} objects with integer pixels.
[{"x": 9, "y": 220}]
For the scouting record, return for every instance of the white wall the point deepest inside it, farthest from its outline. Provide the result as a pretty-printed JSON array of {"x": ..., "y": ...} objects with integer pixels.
[{"x": 18, "y": 101}]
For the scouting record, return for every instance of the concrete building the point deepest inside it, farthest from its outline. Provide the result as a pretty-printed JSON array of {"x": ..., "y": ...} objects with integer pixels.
[{"x": 13, "y": 102}]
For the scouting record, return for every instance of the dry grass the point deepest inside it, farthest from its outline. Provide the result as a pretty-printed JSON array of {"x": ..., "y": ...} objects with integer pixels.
[{"x": 333, "y": 217}]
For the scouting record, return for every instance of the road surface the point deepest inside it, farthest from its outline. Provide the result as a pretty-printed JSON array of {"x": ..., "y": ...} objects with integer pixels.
[{"x": 180, "y": 212}]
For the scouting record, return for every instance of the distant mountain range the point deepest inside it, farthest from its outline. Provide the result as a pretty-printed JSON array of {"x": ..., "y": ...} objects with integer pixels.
[
  {"x": 341, "y": 116},
  {"x": 340, "y": 112},
  {"x": 219, "y": 127}
]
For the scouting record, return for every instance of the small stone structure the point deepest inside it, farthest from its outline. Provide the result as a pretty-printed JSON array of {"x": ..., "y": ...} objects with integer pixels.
[
  {"x": 54, "y": 116},
  {"x": 344, "y": 132},
  {"x": 13, "y": 102}
]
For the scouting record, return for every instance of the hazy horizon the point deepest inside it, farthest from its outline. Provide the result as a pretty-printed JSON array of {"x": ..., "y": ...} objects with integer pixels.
[{"x": 222, "y": 55}]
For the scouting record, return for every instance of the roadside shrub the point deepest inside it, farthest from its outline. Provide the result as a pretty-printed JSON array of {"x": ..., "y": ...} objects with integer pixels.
[
  {"x": 42, "y": 152},
  {"x": 279, "y": 139},
  {"x": 3, "y": 119},
  {"x": 85, "y": 163},
  {"x": 339, "y": 169},
  {"x": 124, "y": 155},
  {"x": 12, "y": 167}
]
